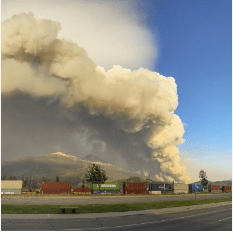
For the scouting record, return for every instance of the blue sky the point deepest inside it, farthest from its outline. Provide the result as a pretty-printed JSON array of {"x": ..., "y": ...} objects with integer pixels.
[
  {"x": 190, "y": 40},
  {"x": 195, "y": 47}
]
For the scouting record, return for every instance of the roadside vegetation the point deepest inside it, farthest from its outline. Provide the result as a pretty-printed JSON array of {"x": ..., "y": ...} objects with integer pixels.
[{"x": 103, "y": 208}]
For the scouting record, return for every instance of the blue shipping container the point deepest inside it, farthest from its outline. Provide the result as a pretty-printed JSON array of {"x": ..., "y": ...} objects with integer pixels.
[
  {"x": 159, "y": 187},
  {"x": 197, "y": 188},
  {"x": 105, "y": 192}
]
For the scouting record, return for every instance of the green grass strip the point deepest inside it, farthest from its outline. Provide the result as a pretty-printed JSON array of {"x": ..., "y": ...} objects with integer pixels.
[{"x": 103, "y": 208}]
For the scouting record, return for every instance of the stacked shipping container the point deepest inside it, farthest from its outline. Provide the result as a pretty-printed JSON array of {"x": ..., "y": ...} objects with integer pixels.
[
  {"x": 180, "y": 188},
  {"x": 15, "y": 187},
  {"x": 134, "y": 188},
  {"x": 226, "y": 189},
  {"x": 154, "y": 192},
  {"x": 11, "y": 186},
  {"x": 214, "y": 188},
  {"x": 29, "y": 192},
  {"x": 55, "y": 187},
  {"x": 82, "y": 191},
  {"x": 106, "y": 188},
  {"x": 105, "y": 191},
  {"x": 159, "y": 187},
  {"x": 195, "y": 188}
]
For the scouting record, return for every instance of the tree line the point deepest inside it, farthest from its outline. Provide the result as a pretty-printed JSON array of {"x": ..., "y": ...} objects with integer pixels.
[{"x": 95, "y": 175}]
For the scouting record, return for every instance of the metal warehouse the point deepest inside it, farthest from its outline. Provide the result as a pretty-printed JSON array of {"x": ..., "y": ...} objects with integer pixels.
[{"x": 11, "y": 186}]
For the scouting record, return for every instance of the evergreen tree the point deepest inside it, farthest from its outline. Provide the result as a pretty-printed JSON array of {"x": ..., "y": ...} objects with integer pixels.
[
  {"x": 34, "y": 183},
  {"x": 203, "y": 177},
  {"x": 25, "y": 182},
  {"x": 30, "y": 183},
  {"x": 83, "y": 185},
  {"x": 96, "y": 175}
]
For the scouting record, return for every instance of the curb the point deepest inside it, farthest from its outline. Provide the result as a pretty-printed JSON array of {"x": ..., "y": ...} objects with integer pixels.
[{"x": 112, "y": 214}]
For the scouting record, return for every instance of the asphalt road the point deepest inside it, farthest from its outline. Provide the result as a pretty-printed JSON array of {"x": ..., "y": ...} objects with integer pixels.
[
  {"x": 207, "y": 219},
  {"x": 84, "y": 200}
]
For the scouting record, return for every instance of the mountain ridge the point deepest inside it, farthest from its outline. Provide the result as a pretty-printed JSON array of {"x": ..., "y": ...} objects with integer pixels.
[{"x": 67, "y": 167}]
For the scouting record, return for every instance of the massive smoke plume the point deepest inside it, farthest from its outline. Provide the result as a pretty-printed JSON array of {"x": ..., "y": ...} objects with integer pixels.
[{"x": 131, "y": 112}]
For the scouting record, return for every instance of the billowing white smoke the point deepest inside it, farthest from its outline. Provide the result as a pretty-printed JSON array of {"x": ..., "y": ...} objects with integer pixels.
[{"x": 36, "y": 62}]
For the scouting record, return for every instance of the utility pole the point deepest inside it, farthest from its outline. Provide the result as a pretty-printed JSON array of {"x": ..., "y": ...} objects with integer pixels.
[{"x": 195, "y": 191}]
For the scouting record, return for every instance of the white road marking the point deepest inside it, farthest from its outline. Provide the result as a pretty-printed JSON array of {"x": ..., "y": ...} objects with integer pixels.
[
  {"x": 144, "y": 223},
  {"x": 224, "y": 219}
]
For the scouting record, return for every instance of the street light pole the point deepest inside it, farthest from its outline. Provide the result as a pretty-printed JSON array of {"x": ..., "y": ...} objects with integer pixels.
[{"x": 195, "y": 191}]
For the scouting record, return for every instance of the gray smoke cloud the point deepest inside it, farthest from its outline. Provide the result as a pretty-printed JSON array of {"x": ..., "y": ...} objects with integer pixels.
[{"x": 54, "y": 92}]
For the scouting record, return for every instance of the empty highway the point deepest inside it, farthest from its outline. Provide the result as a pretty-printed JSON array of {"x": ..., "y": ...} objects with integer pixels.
[{"x": 207, "y": 219}]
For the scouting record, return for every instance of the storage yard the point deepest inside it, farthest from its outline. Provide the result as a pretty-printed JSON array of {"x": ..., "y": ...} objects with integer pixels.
[
  {"x": 49, "y": 199},
  {"x": 113, "y": 188}
]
